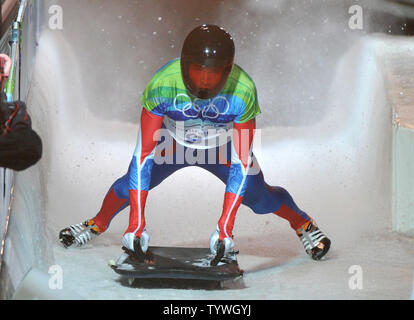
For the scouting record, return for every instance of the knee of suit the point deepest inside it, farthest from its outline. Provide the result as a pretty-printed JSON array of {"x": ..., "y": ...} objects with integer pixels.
[
  {"x": 121, "y": 187},
  {"x": 263, "y": 199},
  {"x": 254, "y": 190},
  {"x": 282, "y": 196}
]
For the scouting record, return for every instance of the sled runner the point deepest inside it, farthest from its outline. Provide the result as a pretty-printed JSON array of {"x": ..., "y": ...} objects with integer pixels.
[{"x": 178, "y": 263}]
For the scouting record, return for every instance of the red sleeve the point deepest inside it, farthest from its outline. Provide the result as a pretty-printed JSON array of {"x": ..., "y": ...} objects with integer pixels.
[
  {"x": 150, "y": 125},
  {"x": 243, "y": 134}
]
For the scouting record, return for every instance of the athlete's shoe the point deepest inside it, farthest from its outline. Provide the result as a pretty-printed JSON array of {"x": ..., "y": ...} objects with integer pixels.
[
  {"x": 79, "y": 234},
  {"x": 316, "y": 243},
  {"x": 220, "y": 249},
  {"x": 135, "y": 249}
]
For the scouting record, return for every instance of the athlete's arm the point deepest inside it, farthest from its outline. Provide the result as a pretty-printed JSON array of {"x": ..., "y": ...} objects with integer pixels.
[
  {"x": 241, "y": 160},
  {"x": 140, "y": 169}
]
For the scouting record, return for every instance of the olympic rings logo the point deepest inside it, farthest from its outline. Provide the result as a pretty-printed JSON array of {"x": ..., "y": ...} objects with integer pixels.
[{"x": 211, "y": 107}]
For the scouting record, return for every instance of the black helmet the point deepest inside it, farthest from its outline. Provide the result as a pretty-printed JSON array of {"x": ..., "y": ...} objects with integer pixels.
[{"x": 207, "y": 50}]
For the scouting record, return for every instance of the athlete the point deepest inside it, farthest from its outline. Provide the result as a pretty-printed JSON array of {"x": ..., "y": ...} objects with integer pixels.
[{"x": 198, "y": 110}]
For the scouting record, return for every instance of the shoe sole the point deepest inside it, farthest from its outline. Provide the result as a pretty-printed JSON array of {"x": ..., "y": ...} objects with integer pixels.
[
  {"x": 219, "y": 255},
  {"x": 66, "y": 238},
  {"x": 318, "y": 255}
]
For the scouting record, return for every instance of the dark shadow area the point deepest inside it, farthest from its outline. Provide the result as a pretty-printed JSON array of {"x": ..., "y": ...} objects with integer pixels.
[
  {"x": 406, "y": 2},
  {"x": 391, "y": 24},
  {"x": 184, "y": 284}
]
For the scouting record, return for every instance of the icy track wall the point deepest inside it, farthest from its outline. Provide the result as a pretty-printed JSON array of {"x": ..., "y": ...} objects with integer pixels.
[
  {"x": 27, "y": 249},
  {"x": 23, "y": 253}
]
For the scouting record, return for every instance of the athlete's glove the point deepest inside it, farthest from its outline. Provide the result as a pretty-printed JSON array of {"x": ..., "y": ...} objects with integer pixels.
[{"x": 13, "y": 115}]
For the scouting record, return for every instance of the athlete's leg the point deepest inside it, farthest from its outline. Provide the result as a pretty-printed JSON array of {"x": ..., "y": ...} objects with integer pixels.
[
  {"x": 278, "y": 201},
  {"x": 116, "y": 199},
  {"x": 118, "y": 195},
  {"x": 262, "y": 199},
  {"x": 259, "y": 196}
]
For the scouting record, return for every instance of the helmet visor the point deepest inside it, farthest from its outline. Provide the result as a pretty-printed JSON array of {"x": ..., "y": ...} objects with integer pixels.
[
  {"x": 206, "y": 81},
  {"x": 205, "y": 77}
]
